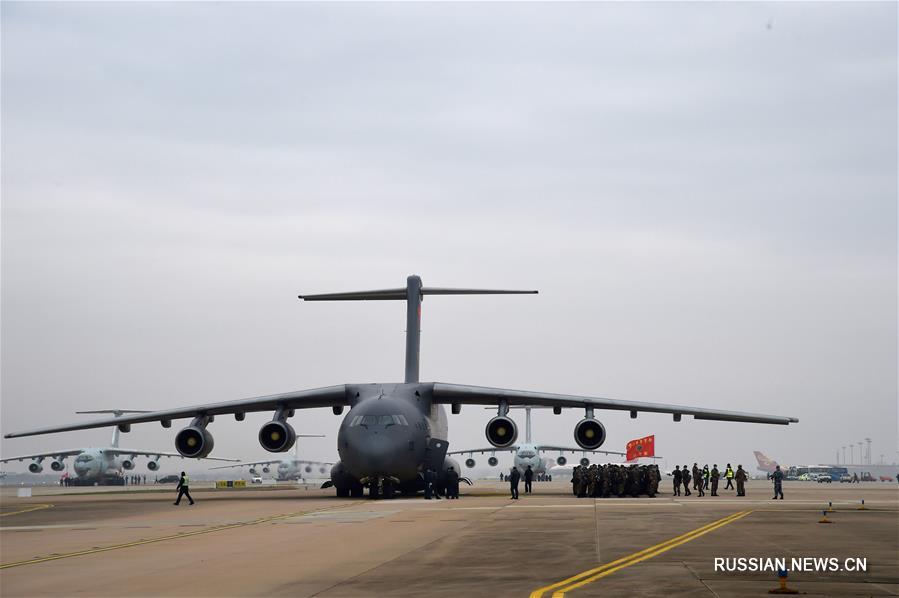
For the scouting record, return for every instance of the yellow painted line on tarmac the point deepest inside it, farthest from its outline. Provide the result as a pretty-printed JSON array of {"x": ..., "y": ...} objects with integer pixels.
[
  {"x": 208, "y": 530},
  {"x": 39, "y": 507},
  {"x": 566, "y": 585}
]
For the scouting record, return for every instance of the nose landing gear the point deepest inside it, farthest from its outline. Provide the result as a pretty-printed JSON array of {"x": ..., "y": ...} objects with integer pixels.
[{"x": 381, "y": 487}]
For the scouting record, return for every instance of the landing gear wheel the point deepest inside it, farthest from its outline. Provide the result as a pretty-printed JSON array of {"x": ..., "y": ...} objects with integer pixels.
[
  {"x": 343, "y": 492},
  {"x": 388, "y": 489},
  {"x": 357, "y": 490}
]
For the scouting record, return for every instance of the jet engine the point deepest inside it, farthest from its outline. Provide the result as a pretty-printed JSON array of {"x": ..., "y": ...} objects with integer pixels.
[
  {"x": 253, "y": 471},
  {"x": 35, "y": 467},
  {"x": 277, "y": 436},
  {"x": 589, "y": 434},
  {"x": 57, "y": 465},
  {"x": 492, "y": 461},
  {"x": 153, "y": 465},
  {"x": 308, "y": 469},
  {"x": 501, "y": 431},
  {"x": 561, "y": 460},
  {"x": 266, "y": 469},
  {"x": 585, "y": 462},
  {"x": 127, "y": 464},
  {"x": 469, "y": 463},
  {"x": 194, "y": 442}
]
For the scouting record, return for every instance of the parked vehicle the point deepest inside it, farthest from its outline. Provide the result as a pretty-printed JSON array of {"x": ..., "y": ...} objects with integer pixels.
[
  {"x": 823, "y": 477},
  {"x": 846, "y": 478}
]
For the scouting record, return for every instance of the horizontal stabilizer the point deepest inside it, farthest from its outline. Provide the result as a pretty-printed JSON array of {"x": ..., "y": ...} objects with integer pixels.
[{"x": 400, "y": 294}]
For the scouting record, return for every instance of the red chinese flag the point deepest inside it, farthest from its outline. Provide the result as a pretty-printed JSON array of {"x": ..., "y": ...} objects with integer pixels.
[{"x": 641, "y": 447}]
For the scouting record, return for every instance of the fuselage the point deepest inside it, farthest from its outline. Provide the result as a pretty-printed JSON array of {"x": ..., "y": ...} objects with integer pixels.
[
  {"x": 388, "y": 430},
  {"x": 527, "y": 454},
  {"x": 95, "y": 464}
]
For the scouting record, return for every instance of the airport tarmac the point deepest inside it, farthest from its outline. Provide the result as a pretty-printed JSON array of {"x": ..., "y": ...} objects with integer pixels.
[{"x": 305, "y": 542}]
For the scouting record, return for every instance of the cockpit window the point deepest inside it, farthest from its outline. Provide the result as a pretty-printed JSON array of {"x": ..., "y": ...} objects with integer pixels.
[
  {"x": 84, "y": 458},
  {"x": 379, "y": 420}
]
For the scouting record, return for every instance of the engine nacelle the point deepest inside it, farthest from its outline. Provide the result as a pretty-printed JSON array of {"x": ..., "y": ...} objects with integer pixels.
[
  {"x": 266, "y": 469},
  {"x": 589, "y": 434},
  {"x": 585, "y": 462},
  {"x": 194, "y": 442},
  {"x": 153, "y": 465},
  {"x": 561, "y": 460},
  {"x": 277, "y": 436},
  {"x": 57, "y": 465},
  {"x": 253, "y": 471},
  {"x": 127, "y": 464},
  {"x": 492, "y": 461},
  {"x": 469, "y": 463},
  {"x": 501, "y": 431},
  {"x": 308, "y": 469},
  {"x": 35, "y": 467}
]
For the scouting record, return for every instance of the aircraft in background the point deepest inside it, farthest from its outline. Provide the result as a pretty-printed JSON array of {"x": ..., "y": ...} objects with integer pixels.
[
  {"x": 528, "y": 453},
  {"x": 765, "y": 464},
  {"x": 393, "y": 431},
  {"x": 96, "y": 465},
  {"x": 288, "y": 469}
]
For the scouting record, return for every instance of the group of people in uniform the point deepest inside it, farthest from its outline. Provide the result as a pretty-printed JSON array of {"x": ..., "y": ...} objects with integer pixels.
[
  {"x": 602, "y": 481},
  {"x": 708, "y": 479}
]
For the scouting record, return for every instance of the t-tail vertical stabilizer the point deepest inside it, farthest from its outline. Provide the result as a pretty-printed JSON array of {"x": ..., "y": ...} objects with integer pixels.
[{"x": 412, "y": 295}]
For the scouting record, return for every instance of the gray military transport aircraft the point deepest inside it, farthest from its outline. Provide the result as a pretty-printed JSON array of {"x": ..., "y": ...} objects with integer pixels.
[
  {"x": 393, "y": 431},
  {"x": 99, "y": 465}
]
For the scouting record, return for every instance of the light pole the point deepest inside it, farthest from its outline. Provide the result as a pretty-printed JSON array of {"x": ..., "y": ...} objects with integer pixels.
[
  {"x": 860, "y": 460},
  {"x": 844, "y": 455},
  {"x": 868, "y": 442}
]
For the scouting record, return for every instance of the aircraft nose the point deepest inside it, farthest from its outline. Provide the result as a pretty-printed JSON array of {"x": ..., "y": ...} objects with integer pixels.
[{"x": 369, "y": 453}]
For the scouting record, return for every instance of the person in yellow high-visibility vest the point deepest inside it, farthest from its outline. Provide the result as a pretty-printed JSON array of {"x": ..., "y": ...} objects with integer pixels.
[
  {"x": 183, "y": 489},
  {"x": 729, "y": 476}
]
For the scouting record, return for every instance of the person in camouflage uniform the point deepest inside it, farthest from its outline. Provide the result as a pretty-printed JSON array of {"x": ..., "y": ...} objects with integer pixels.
[
  {"x": 697, "y": 477},
  {"x": 654, "y": 479},
  {"x": 604, "y": 482},
  {"x": 741, "y": 476},
  {"x": 633, "y": 480},
  {"x": 582, "y": 482},
  {"x": 575, "y": 477},
  {"x": 592, "y": 480}
]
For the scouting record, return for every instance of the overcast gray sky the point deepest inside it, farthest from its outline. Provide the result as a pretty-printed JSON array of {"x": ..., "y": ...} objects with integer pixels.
[{"x": 704, "y": 194}]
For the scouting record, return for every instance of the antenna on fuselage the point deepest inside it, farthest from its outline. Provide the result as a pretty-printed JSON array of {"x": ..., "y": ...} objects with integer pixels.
[{"x": 412, "y": 294}]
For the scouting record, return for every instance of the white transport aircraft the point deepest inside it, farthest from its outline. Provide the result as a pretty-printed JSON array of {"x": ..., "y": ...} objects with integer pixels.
[
  {"x": 528, "y": 453},
  {"x": 98, "y": 465},
  {"x": 288, "y": 469}
]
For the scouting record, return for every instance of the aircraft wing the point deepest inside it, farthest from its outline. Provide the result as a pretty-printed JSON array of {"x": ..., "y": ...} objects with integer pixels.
[
  {"x": 481, "y": 395},
  {"x": 481, "y": 451},
  {"x": 66, "y": 453},
  {"x": 330, "y": 396},
  {"x": 568, "y": 449},
  {"x": 138, "y": 453}
]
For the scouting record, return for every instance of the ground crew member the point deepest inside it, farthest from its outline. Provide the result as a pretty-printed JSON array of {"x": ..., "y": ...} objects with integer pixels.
[
  {"x": 778, "y": 477},
  {"x": 575, "y": 476},
  {"x": 741, "y": 481},
  {"x": 429, "y": 483},
  {"x": 706, "y": 474},
  {"x": 183, "y": 489},
  {"x": 452, "y": 483},
  {"x": 528, "y": 478},
  {"x": 716, "y": 475},
  {"x": 729, "y": 476},
  {"x": 697, "y": 478},
  {"x": 685, "y": 474},
  {"x": 699, "y": 486},
  {"x": 677, "y": 480},
  {"x": 514, "y": 476}
]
